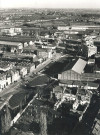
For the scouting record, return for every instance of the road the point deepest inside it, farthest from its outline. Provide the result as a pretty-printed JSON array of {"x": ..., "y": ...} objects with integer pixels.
[{"x": 14, "y": 88}]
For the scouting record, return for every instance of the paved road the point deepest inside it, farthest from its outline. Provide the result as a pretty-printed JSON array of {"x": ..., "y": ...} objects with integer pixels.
[{"x": 14, "y": 88}]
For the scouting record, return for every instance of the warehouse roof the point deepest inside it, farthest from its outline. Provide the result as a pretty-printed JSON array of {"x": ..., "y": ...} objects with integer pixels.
[
  {"x": 9, "y": 43},
  {"x": 92, "y": 84},
  {"x": 76, "y": 65},
  {"x": 79, "y": 66}
]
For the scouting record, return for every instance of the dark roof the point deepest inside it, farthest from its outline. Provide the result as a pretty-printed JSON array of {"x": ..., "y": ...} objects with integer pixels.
[
  {"x": 58, "y": 89},
  {"x": 91, "y": 84},
  {"x": 39, "y": 81},
  {"x": 16, "y": 99},
  {"x": 43, "y": 104},
  {"x": 70, "y": 65},
  {"x": 97, "y": 68},
  {"x": 76, "y": 65},
  {"x": 81, "y": 108},
  {"x": 82, "y": 91},
  {"x": 15, "y": 131},
  {"x": 4, "y": 64}
]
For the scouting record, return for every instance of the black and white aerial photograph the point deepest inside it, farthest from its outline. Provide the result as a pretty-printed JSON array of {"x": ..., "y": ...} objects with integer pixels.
[{"x": 49, "y": 67}]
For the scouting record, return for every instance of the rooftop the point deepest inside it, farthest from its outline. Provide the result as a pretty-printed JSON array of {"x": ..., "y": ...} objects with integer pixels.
[
  {"x": 4, "y": 64},
  {"x": 58, "y": 89},
  {"x": 30, "y": 48},
  {"x": 70, "y": 82},
  {"x": 82, "y": 91},
  {"x": 16, "y": 99},
  {"x": 39, "y": 81},
  {"x": 91, "y": 84},
  {"x": 76, "y": 65},
  {"x": 9, "y": 43}
]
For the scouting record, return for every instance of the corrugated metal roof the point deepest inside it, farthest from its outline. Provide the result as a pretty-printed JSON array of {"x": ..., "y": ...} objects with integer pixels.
[{"x": 79, "y": 66}]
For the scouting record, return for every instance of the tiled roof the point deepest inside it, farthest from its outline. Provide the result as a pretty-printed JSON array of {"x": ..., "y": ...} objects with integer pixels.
[
  {"x": 4, "y": 64},
  {"x": 16, "y": 99},
  {"x": 58, "y": 89},
  {"x": 39, "y": 81}
]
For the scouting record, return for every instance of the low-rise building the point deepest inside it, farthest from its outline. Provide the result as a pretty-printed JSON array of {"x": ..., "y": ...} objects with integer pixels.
[
  {"x": 25, "y": 44},
  {"x": 73, "y": 71},
  {"x": 71, "y": 84},
  {"x": 5, "y": 66},
  {"x": 11, "y": 31},
  {"x": 11, "y": 46},
  {"x": 76, "y": 104},
  {"x": 45, "y": 53},
  {"x": 96, "y": 125},
  {"x": 90, "y": 77},
  {"x": 89, "y": 50},
  {"x": 88, "y": 47},
  {"x": 22, "y": 70},
  {"x": 2, "y": 81},
  {"x": 91, "y": 85},
  {"x": 58, "y": 91},
  {"x": 49, "y": 46},
  {"x": 30, "y": 67},
  {"x": 29, "y": 49},
  {"x": 97, "y": 70},
  {"x": 68, "y": 95},
  {"x": 91, "y": 61},
  {"x": 15, "y": 74},
  {"x": 8, "y": 79},
  {"x": 97, "y": 43}
]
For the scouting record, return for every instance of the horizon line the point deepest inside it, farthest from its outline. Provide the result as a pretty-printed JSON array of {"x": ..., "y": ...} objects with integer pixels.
[{"x": 48, "y": 8}]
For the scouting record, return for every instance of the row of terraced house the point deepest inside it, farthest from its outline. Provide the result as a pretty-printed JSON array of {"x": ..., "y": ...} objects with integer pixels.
[{"x": 10, "y": 72}]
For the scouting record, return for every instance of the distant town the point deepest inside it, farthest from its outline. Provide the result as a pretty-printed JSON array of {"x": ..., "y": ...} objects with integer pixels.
[{"x": 49, "y": 72}]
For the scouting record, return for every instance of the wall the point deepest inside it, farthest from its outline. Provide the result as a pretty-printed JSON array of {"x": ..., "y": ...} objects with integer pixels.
[{"x": 69, "y": 75}]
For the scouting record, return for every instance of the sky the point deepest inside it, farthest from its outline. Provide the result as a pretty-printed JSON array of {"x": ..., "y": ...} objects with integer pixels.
[{"x": 50, "y": 3}]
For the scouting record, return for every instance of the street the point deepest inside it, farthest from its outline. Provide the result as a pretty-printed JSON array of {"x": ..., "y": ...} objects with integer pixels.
[{"x": 14, "y": 88}]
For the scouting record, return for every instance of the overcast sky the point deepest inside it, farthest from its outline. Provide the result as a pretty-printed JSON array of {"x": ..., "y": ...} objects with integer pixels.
[{"x": 50, "y": 3}]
